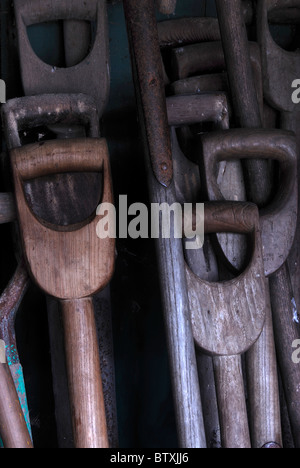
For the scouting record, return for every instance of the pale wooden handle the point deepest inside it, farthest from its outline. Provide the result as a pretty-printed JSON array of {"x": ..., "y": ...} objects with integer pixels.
[
  {"x": 79, "y": 155},
  {"x": 84, "y": 374},
  {"x": 231, "y": 402},
  {"x": 13, "y": 428}
]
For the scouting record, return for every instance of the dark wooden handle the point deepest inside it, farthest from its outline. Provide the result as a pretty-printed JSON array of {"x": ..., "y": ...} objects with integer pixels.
[
  {"x": 13, "y": 428},
  {"x": 235, "y": 217},
  {"x": 182, "y": 31},
  {"x": 84, "y": 374},
  {"x": 188, "y": 110},
  {"x": 39, "y": 11},
  {"x": 147, "y": 67},
  {"x": 76, "y": 155}
]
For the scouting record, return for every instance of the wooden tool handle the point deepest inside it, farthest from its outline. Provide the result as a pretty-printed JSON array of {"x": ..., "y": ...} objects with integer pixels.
[
  {"x": 236, "y": 217},
  {"x": 39, "y": 11},
  {"x": 189, "y": 110},
  {"x": 13, "y": 428},
  {"x": 84, "y": 374},
  {"x": 263, "y": 394},
  {"x": 278, "y": 145},
  {"x": 231, "y": 402},
  {"x": 78, "y": 156},
  {"x": 32, "y": 111},
  {"x": 182, "y": 31}
]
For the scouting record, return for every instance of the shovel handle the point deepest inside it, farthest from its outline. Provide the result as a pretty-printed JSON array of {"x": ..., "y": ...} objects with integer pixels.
[
  {"x": 84, "y": 374},
  {"x": 13, "y": 428},
  {"x": 231, "y": 401}
]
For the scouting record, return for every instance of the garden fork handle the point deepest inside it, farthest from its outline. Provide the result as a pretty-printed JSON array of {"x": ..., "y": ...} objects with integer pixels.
[{"x": 84, "y": 374}]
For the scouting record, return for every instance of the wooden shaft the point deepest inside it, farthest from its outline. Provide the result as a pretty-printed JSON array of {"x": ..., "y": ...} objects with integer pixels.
[
  {"x": 13, "y": 428},
  {"x": 247, "y": 110},
  {"x": 231, "y": 402},
  {"x": 286, "y": 330},
  {"x": 243, "y": 91},
  {"x": 263, "y": 388},
  {"x": 84, "y": 374},
  {"x": 77, "y": 37}
]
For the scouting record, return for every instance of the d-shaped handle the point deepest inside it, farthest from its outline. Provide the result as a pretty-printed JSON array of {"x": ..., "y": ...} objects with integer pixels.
[
  {"x": 278, "y": 219},
  {"x": 90, "y": 76},
  {"x": 85, "y": 261},
  {"x": 48, "y": 109}
]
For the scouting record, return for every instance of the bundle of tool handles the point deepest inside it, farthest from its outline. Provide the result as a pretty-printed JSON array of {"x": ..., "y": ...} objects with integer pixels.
[{"x": 219, "y": 127}]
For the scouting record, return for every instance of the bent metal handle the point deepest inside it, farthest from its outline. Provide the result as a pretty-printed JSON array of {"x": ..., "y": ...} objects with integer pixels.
[{"x": 282, "y": 211}]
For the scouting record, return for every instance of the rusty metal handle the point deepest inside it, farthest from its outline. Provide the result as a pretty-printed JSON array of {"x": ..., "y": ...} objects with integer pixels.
[
  {"x": 39, "y": 11},
  {"x": 27, "y": 112}
]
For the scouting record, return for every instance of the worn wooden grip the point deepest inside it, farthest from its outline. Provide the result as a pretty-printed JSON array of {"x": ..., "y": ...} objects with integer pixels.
[
  {"x": 188, "y": 110},
  {"x": 38, "y": 11},
  {"x": 182, "y": 31},
  {"x": 33, "y": 111},
  {"x": 38, "y": 160},
  {"x": 85, "y": 261},
  {"x": 84, "y": 374},
  {"x": 166, "y": 7},
  {"x": 235, "y": 217}
]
